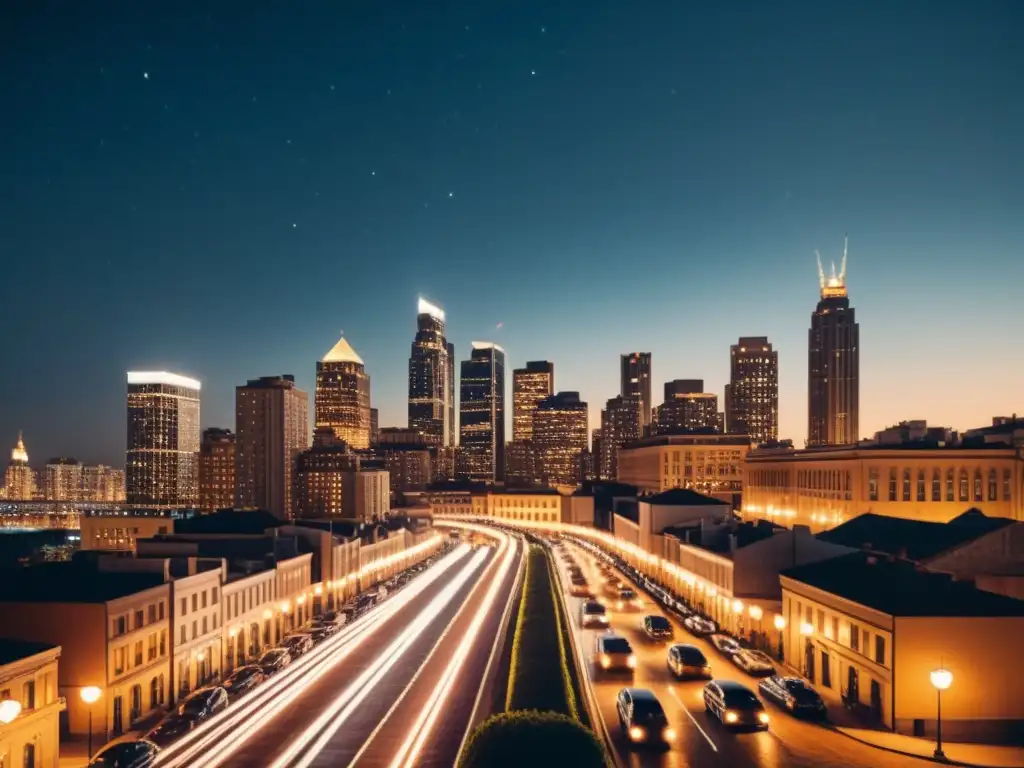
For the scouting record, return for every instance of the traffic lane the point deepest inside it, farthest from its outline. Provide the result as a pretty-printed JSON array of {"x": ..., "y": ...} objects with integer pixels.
[
  {"x": 443, "y": 743},
  {"x": 276, "y": 735}
]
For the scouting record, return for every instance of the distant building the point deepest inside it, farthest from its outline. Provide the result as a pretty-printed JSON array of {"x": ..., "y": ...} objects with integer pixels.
[
  {"x": 162, "y": 466},
  {"x": 752, "y": 394},
  {"x": 62, "y": 480},
  {"x": 103, "y": 484},
  {"x": 559, "y": 438},
  {"x": 530, "y": 385},
  {"x": 117, "y": 531},
  {"x": 217, "y": 469},
  {"x": 20, "y": 479},
  {"x": 408, "y": 456},
  {"x": 621, "y": 422},
  {"x": 28, "y": 675},
  {"x": 482, "y": 413},
  {"x": 374, "y": 425},
  {"x": 343, "y": 395},
  {"x": 914, "y": 432},
  {"x": 332, "y": 481},
  {"x": 595, "y": 450},
  {"x": 271, "y": 430},
  {"x": 687, "y": 407},
  {"x": 432, "y": 377},
  {"x": 636, "y": 382},
  {"x": 521, "y": 464}
]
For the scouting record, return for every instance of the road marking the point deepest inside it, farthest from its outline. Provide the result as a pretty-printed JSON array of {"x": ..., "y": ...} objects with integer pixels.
[{"x": 672, "y": 690}]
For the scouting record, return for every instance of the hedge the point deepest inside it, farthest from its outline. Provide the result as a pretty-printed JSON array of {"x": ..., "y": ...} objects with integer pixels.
[{"x": 531, "y": 738}]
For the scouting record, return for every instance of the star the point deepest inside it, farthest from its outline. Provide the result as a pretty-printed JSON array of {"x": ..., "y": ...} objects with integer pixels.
[
  {"x": 145, "y": 75},
  {"x": 543, "y": 30},
  {"x": 533, "y": 72},
  {"x": 294, "y": 225},
  {"x": 451, "y": 194},
  {"x": 332, "y": 87},
  {"x": 373, "y": 173}
]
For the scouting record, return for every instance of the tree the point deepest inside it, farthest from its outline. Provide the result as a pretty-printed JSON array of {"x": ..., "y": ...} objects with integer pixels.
[{"x": 534, "y": 739}]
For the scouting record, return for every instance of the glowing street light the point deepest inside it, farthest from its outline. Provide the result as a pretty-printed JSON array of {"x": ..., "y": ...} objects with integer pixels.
[
  {"x": 9, "y": 710},
  {"x": 941, "y": 679},
  {"x": 90, "y": 695},
  {"x": 756, "y": 613},
  {"x": 806, "y": 629},
  {"x": 780, "y": 622}
]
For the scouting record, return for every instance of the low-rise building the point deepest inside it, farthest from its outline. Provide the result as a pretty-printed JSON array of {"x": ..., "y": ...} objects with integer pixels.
[
  {"x": 248, "y": 611},
  {"x": 30, "y": 727},
  {"x": 198, "y": 623},
  {"x": 118, "y": 530},
  {"x": 702, "y": 460},
  {"x": 535, "y": 505}
]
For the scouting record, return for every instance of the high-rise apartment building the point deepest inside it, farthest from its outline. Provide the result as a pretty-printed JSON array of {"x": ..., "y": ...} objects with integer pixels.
[
  {"x": 331, "y": 480},
  {"x": 636, "y": 382},
  {"x": 271, "y": 430},
  {"x": 482, "y": 413},
  {"x": 62, "y": 479},
  {"x": 530, "y": 385},
  {"x": 687, "y": 407},
  {"x": 102, "y": 484},
  {"x": 431, "y": 377},
  {"x": 521, "y": 464},
  {"x": 162, "y": 457},
  {"x": 620, "y": 423},
  {"x": 343, "y": 395},
  {"x": 752, "y": 394},
  {"x": 560, "y": 437},
  {"x": 217, "y": 470},
  {"x": 408, "y": 456},
  {"x": 833, "y": 364},
  {"x": 20, "y": 478}
]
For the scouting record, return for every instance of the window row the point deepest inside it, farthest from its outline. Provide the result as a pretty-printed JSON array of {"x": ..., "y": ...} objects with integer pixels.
[
  {"x": 152, "y": 613},
  {"x": 951, "y": 485}
]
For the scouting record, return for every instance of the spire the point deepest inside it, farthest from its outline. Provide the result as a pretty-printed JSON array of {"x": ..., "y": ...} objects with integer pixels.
[
  {"x": 842, "y": 269},
  {"x": 821, "y": 271},
  {"x": 19, "y": 453},
  {"x": 835, "y": 284},
  {"x": 342, "y": 352}
]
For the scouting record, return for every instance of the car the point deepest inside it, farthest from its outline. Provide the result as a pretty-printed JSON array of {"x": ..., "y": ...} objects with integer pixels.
[
  {"x": 688, "y": 661},
  {"x": 575, "y": 572},
  {"x": 274, "y": 661},
  {"x": 337, "y": 618},
  {"x": 724, "y": 644},
  {"x": 626, "y": 598},
  {"x": 593, "y": 614},
  {"x": 799, "y": 698},
  {"x": 642, "y": 718},
  {"x": 613, "y": 653},
  {"x": 580, "y": 588},
  {"x": 204, "y": 703},
  {"x": 244, "y": 679},
  {"x": 329, "y": 626},
  {"x": 170, "y": 729},
  {"x": 698, "y": 625},
  {"x": 735, "y": 705},
  {"x": 297, "y": 643},
  {"x": 658, "y": 627},
  {"x": 320, "y": 632},
  {"x": 364, "y": 603},
  {"x": 137, "y": 753},
  {"x": 757, "y": 663}
]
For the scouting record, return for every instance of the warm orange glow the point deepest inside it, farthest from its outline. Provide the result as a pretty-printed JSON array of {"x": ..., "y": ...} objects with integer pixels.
[
  {"x": 942, "y": 679},
  {"x": 90, "y": 694},
  {"x": 780, "y": 622}
]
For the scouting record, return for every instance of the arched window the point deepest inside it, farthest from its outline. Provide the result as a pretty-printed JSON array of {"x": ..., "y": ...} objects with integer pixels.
[
  {"x": 993, "y": 485},
  {"x": 936, "y": 485},
  {"x": 892, "y": 484},
  {"x": 920, "y": 485},
  {"x": 162, "y": 695},
  {"x": 30, "y": 756},
  {"x": 906, "y": 485},
  {"x": 950, "y": 495},
  {"x": 977, "y": 485},
  {"x": 965, "y": 489},
  {"x": 154, "y": 693}
]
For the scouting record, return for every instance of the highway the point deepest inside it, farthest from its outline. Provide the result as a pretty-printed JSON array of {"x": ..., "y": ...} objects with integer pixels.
[
  {"x": 701, "y": 740},
  {"x": 396, "y": 688}
]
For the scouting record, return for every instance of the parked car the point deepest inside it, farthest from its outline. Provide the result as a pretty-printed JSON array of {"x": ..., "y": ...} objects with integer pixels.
[
  {"x": 593, "y": 614},
  {"x": 613, "y": 653},
  {"x": 735, "y": 705},
  {"x": 170, "y": 729},
  {"x": 204, "y": 703},
  {"x": 642, "y": 718},
  {"x": 274, "y": 661},
  {"x": 757, "y": 663},
  {"x": 297, "y": 643},
  {"x": 697, "y": 625},
  {"x": 688, "y": 661},
  {"x": 795, "y": 695},
  {"x": 138, "y": 753},
  {"x": 658, "y": 628},
  {"x": 724, "y": 644},
  {"x": 244, "y": 679},
  {"x": 320, "y": 632}
]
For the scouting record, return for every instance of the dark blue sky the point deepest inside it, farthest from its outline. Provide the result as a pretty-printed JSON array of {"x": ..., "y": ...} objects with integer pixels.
[{"x": 220, "y": 195}]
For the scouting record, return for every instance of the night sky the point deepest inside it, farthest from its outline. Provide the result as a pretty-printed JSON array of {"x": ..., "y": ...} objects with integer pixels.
[{"x": 221, "y": 195}]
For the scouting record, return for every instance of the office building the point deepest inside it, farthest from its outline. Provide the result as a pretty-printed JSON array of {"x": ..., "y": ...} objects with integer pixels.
[
  {"x": 30, "y": 726},
  {"x": 20, "y": 478},
  {"x": 559, "y": 438},
  {"x": 833, "y": 364},
  {"x": 636, "y": 382},
  {"x": 621, "y": 422},
  {"x": 687, "y": 407},
  {"x": 102, "y": 484},
  {"x": 431, "y": 377},
  {"x": 521, "y": 469},
  {"x": 62, "y": 480},
  {"x": 271, "y": 430},
  {"x": 752, "y": 394},
  {"x": 217, "y": 470},
  {"x": 343, "y": 395},
  {"x": 482, "y": 413},
  {"x": 162, "y": 462},
  {"x": 596, "y": 442},
  {"x": 408, "y": 457},
  {"x": 331, "y": 480},
  {"x": 530, "y": 385}
]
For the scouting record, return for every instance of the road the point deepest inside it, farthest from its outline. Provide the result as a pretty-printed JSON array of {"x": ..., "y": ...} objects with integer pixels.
[
  {"x": 701, "y": 739},
  {"x": 397, "y": 688}
]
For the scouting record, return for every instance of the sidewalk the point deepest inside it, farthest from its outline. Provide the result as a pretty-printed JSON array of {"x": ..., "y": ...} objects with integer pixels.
[{"x": 986, "y": 755}]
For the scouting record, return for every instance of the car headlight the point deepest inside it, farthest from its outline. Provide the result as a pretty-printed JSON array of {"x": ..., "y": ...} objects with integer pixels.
[
  {"x": 606, "y": 661},
  {"x": 631, "y": 661},
  {"x": 763, "y": 718},
  {"x": 791, "y": 704},
  {"x": 669, "y": 734},
  {"x": 731, "y": 717},
  {"x": 636, "y": 733}
]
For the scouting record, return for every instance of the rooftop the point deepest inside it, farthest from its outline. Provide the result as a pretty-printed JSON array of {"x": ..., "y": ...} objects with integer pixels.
[
  {"x": 245, "y": 522},
  {"x": 15, "y": 650},
  {"x": 72, "y": 582},
  {"x": 913, "y": 539},
  {"x": 682, "y": 497},
  {"x": 901, "y": 588},
  {"x": 342, "y": 352},
  {"x": 719, "y": 538},
  {"x": 703, "y": 436}
]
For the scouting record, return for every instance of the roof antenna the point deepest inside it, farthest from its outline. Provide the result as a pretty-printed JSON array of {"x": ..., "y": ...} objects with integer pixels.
[{"x": 842, "y": 271}]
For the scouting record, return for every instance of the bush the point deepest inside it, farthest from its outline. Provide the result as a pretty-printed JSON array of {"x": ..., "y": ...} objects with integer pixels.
[{"x": 534, "y": 739}]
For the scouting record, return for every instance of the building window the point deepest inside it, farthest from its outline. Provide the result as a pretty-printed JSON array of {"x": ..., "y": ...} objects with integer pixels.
[
  {"x": 216, "y": 597},
  {"x": 854, "y": 637},
  {"x": 119, "y": 660},
  {"x": 879, "y": 649},
  {"x": 138, "y": 654},
  {"x": 204, "y": 598},
  {"x": 993, "y": 486},
  {"x": 195, "y": 602},
  {"x": 152, "y": 613},
  {"x": 1007, "y": 485},
  {"x": 977, "y": 485},
  {"x": 28, "y": 697},
  {"x": 184, "y": 634},
  {"x": 184, "y": 606},
  {"x": 920, "y": 485},
  {"x": 906, "y": 485},
  {"x": 136, "y": 712},
  {"x": 936, "y": 485},
  {"x": 873, "y": 484},
  {"x": 140, "y": 619},
  {"x": 163, "y": 642},
  {"x": 120, "y": 626},
  {"x": 892, "y": 484},
  {"x": 950, "y": 495},
  {"x": 29, "y": 756},
  {"x": 154, "y": 693},
  {"x": 965, "y": 490}
]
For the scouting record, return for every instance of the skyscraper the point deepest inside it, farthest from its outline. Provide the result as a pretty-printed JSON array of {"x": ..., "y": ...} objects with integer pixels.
[
  {"x": 620, "y": 423},
  {"x": 833, "y": 364},
  {"x": 636, "y": 382},
  {"x": 343, "y": 395},
  {"x": 560, "y": 437},
  {"x": 271, "y": 430},
  {"x": 431, "y": 377},
  {"x": 162, "y": 462},
  {"x": 530, "y": 385},
  {"x": 63, "y": 479},
  {"x": 20, "y": 479},
  {"x": 687, "y": 407},
  {"x": 482, "y": 413},
  {"x": 217, "y": 469},
  {"x": 752, "y": 395}
]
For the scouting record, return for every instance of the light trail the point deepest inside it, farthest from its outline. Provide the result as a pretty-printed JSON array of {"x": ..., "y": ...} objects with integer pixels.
[{"x": 274, "y": 695}]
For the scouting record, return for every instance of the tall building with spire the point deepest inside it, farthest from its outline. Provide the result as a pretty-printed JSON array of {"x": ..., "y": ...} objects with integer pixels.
[
  {"x": 162, "y": 461},
  {"x": 20, "y": 479},
  {"x": 752, "y": 394},
  {"x": 343, "y": 395},
  {"x": 431, "y": 377},
  {"x": 482, "y": 413},
  {"x": 636, "y": 382},
  {"x": 833, "y": 364}
]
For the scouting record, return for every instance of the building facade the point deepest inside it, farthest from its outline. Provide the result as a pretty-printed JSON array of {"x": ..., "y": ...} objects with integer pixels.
[
  {"x": 408, "y": 457},
  {"x": 20, "y": 478},
  {"x": 62, "y": 479},
  {"x": 102, "y": 484},
  {"x": 482, "y": 413},
  {"x": 521, "y": 463},
  {"x": 833, "y": 369},
  {"x": 196, "y": 635},
  {"x": 621, "y": 422},
  {"x": 431, "y": 374},
  {"x": 248, "y": 611},
  {"x": 271, "y": 430},
  {"x": 560, "y": 438},
  {"x": 28, "y": 676},
  {"x": 635, "y": 375},
  {"x": 217, "y": 469},
  {"x": 530, "y": 385},
  {"x": 117, "y": 531},
  {"x": 162, "y": 465},
  {"x": 343, "y": 395},
  {"x": 752, "y": 394},
  {"x": 685, "y": 411}
]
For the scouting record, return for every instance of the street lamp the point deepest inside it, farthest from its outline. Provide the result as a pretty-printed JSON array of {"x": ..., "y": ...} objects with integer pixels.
[
  {"x": 9, "y": 710},
  {"x": 941, "y": 679},
  {"x": 90, "y": 695}
]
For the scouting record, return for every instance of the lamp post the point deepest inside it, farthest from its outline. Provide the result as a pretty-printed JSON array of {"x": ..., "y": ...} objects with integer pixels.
[
  {"x": 90, "y": 695},
  {"x": 941, "y": 679}
]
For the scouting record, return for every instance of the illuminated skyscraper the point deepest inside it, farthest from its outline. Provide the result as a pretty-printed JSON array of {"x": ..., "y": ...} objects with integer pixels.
[
  {"x": 560, "y": 437},
  {"x": 752, "y": 394},
  {"x": 530, "y": 385},
  {"x": 20, "y": 479},
  {"x": 687, "y": 407},
  {"x": 431, "y": 378},
  {"x": 343, "y": 395},
  {"x": 636, "y": 382},
  {"x": 63, "y": 480},
  {"x": 620, "y": 423},
  {"x": 482, "y": 413},
  {"x": 103, "y": 484},
  {"x": 217, "y": 470},
  {"x": 833, "y": 364},
  {"x": 162, "y": 461}
]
